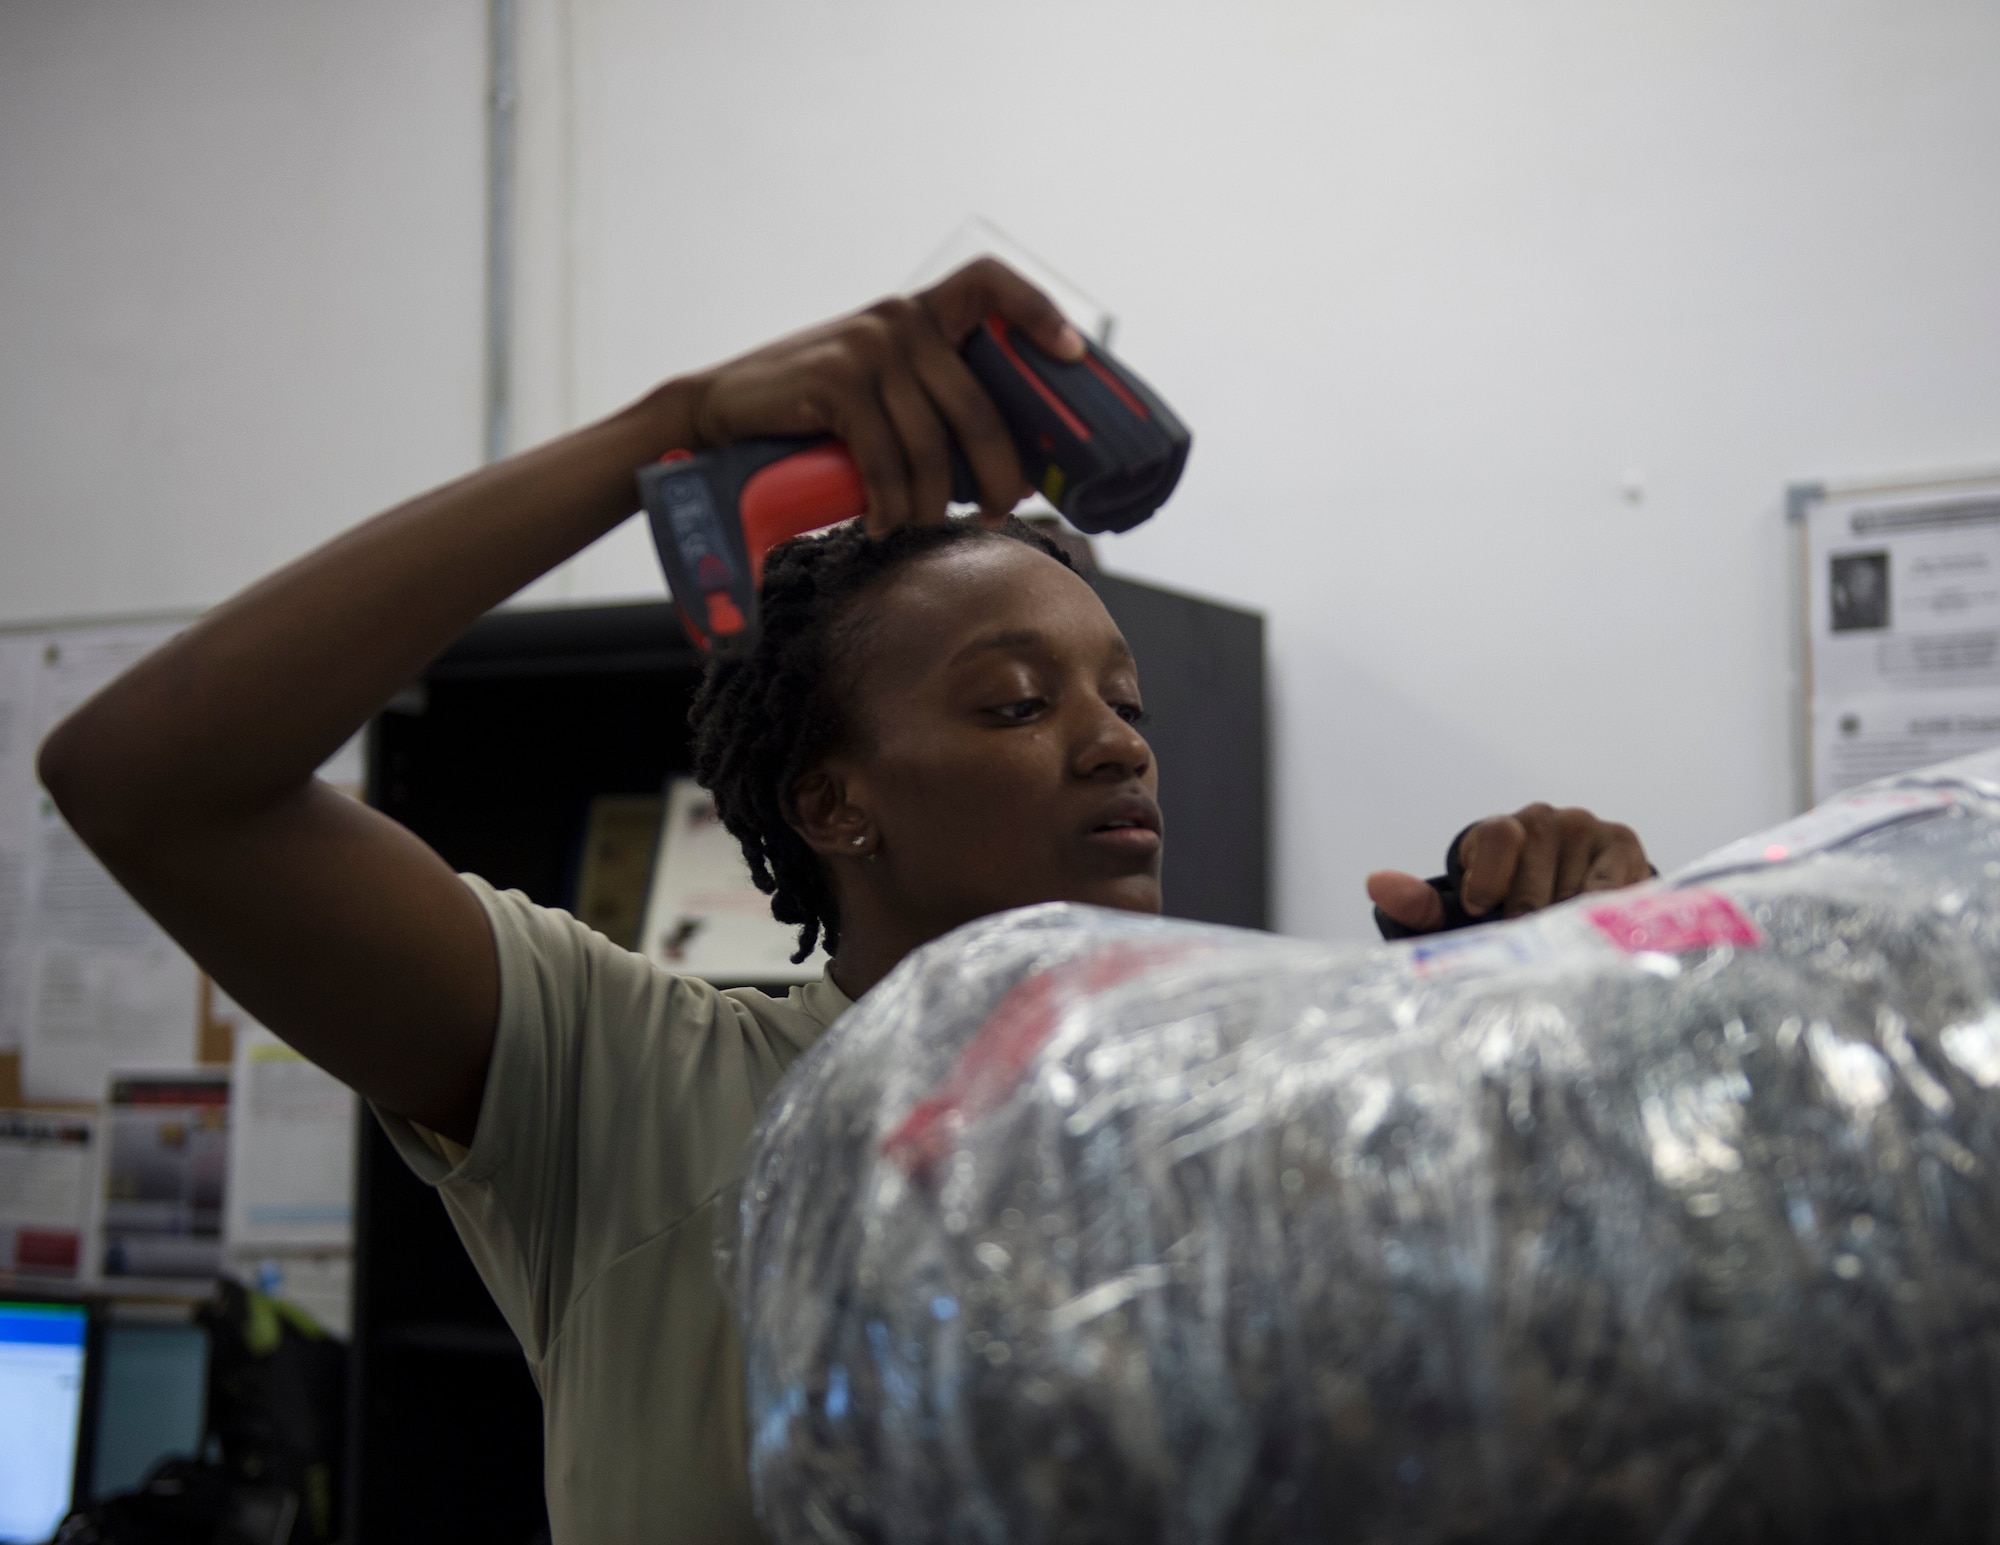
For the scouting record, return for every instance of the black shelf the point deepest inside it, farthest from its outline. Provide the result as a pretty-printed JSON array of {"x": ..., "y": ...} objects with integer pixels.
[{"x": 450, "y": 1338}]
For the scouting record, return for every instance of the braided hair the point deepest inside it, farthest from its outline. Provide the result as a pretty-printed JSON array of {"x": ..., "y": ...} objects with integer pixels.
[{"x": 763, "y": 721}]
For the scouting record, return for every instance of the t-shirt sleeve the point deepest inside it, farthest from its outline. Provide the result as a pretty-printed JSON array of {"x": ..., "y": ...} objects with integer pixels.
[{"x": 616, "y": 1104}]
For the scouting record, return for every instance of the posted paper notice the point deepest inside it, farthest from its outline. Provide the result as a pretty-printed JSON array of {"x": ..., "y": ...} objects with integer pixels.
[
  {"x": 291, "y": 1150},
  {"x": 705, "y": 917},
  {"x": 48, "y": 1181},
  {"x": 1903, "y": 631}
]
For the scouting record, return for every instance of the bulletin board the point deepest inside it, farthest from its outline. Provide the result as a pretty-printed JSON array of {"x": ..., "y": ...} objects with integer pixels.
[
  {"x": 86, "y": 978},
  {"x": 111, "y": 1037},
  {"x": 1900, "y": 625}
]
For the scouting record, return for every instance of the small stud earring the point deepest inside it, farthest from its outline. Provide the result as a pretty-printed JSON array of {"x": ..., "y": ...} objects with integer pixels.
[{"x": 857, "y": 841}]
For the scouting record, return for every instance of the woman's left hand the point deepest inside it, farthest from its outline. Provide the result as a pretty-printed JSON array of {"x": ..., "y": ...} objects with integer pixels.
[{"x": 1520, "y": 863}]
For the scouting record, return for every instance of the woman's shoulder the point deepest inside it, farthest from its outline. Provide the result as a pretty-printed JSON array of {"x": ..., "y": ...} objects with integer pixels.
[{"x": 556, "y": 958}]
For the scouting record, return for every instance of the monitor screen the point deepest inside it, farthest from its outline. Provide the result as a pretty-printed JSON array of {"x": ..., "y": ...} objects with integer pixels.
[
  {"x": 42, "y": 1347},
  {"x": 151, "y": 1404}
]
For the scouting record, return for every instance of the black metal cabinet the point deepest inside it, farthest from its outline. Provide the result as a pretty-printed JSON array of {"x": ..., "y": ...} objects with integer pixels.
[
  {"x": 494, "y": 758},
  {"x": 1201, "y": 672}
]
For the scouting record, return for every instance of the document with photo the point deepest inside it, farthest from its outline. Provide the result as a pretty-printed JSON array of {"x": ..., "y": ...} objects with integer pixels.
[{"x": 1902, "y": 629}]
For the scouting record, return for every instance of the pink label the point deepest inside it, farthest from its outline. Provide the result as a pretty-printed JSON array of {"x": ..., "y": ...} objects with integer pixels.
[{"x": 1672, "y": 921}]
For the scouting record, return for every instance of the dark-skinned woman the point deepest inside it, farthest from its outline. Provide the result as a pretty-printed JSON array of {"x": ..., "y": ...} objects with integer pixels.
[{"x": 940, "y": 721}]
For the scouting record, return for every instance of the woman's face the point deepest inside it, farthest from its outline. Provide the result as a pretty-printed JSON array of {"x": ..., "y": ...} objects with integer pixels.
[{"x": 995, "y": 760}]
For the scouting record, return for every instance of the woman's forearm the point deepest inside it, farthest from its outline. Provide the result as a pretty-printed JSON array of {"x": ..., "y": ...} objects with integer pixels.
[{"x": 240, "y": 709}]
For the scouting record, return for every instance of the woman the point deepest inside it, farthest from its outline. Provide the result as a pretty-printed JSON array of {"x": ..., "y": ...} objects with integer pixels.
[{"x": 939, "y": 721}]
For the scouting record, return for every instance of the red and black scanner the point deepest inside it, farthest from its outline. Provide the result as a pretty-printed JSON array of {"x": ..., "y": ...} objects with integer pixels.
[{"x": 1092, "y": 437}]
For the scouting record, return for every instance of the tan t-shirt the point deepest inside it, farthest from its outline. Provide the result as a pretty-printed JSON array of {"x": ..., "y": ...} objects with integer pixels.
[{"x": 616, "y": 1110}]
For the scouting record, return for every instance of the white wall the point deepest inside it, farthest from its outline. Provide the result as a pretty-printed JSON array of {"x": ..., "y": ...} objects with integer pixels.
[
  {"x": 240, "y": 284},
  {"x": 1428, "y": 279},
  {"x": 1427, "y": 276}
]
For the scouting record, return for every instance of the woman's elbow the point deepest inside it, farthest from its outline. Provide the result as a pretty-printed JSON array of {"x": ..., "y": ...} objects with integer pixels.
[{"x": 84, "y": 787}]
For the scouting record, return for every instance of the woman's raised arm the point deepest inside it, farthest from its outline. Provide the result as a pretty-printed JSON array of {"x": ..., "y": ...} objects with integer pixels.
[{"x": 191, "y": 775}]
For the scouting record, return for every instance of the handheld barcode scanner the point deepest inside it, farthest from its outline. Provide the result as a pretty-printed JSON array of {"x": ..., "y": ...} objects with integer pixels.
[{"x": 1092, "y": 437}]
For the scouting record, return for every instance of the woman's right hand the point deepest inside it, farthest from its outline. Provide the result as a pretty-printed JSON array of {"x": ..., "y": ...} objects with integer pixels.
[{"x": 888, "y": 380}]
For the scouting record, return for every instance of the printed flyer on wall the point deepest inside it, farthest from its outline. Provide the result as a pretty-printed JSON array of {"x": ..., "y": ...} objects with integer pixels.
[
  {"x": 1902, "y": 627},
  {"x": 166, "y": 1165},
  {"x": 48, "y": 1177}
]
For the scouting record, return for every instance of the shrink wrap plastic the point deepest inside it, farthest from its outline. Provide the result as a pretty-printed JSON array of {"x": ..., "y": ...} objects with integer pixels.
[{"x": 1667, "y": 1215}]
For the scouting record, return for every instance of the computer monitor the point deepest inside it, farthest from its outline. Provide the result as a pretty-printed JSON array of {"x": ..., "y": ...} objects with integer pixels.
[
  {"x": 152, "y": 1401},
  {"x": 45, "y": 1389}
]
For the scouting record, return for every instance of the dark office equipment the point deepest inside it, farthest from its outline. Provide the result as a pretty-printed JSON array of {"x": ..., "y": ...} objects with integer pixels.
[
  {"x": 153, "y": 1403},
  {"x": 494, "y": 758},
  {"x": 187, "y": 1502},
  {"x": 276, "y": 1421}
]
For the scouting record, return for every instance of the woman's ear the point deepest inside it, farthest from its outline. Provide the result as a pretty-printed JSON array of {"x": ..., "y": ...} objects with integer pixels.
[{"x": 832, "y": 825}]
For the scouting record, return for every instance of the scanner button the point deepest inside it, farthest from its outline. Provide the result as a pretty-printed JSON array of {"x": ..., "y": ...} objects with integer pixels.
[{"x": 724, "y": 616}]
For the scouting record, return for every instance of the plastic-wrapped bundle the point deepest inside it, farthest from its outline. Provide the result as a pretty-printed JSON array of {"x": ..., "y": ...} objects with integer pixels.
[{"x": 1668, "y": 1216}]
